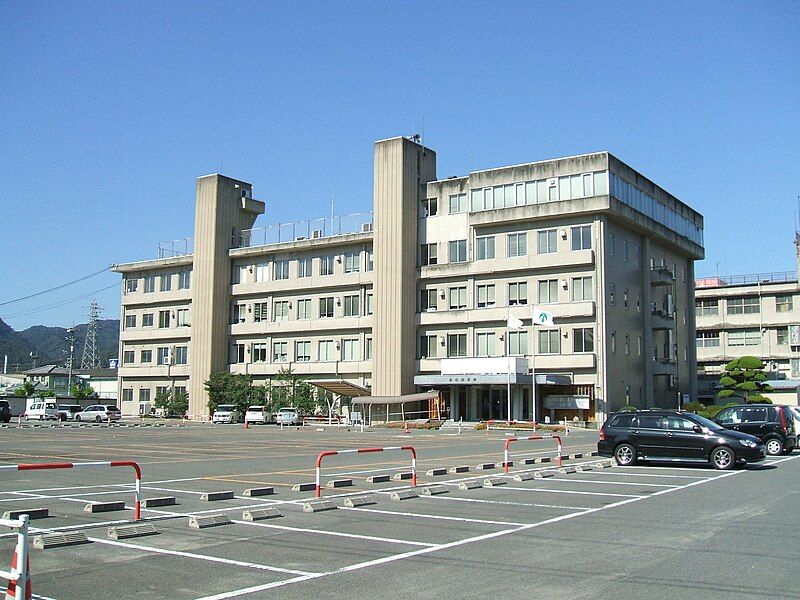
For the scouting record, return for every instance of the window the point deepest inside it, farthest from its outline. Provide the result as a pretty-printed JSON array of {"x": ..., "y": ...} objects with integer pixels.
[
  {"x": 650, "y": 422},
  {"x": 183, "y": 317},
  {"x": 162, "y": 356},
  {"x": 368, "y": 348},
  {"x": 281, "y": 269},
  {"x": 485, "y": 247},
  {"x": 428, "y": 207},
  {"x": 639, "y": 345},
  {"x": 744, "y": 306},
  {"x": 280, "y": 352},
  {"x": 260, "y": 352},
  {"x": 163, "y": 319},
  {"x": 352, "y": 306},
  {"x": 238, "y": 274},
  {"x": 427, "y": 346},
  {"x": 704, "y": 308},
  {"x": 351, "y": 349},
  {"x": 549, "y": 341},
  {"x": 582, "y": 289},
  {"x": 637, "y": 253},
  {"x": 627, "y": 343},
  {"x": 744, "y": 337},
  {"x": 517, "y": 343},
  {"x": 639, "y": 303},
  {"x": 458, "y": 298},
  {"x": 302, "y": 351},
  {"x": 548, "y": 291},
  {"x": 184, "y": 280},
  {"x": 146, "y": 356},
  {"x": 456, "y": 345},
  {"x": 625, "y": 250},
  {"x": 485, "y": 344},
  {"x": 147, "y": 320},
  {"x": 326, "y": 265},
  {"x": 427, "y": 254},
  {"x": 370, "y": 305},
  {"x": 326, "y": 351},
  {"x": 457, "y": 251},
  {"x": 352, "y": 262},
  {"x": 612, "y": 293},
  {"x": 181, "y": 355},
  {"x": 127, "y": 395},
  {"x": 783, "y": 336},
  {"x": 131, "y": 285},
  {"x": 128, "y": 357},
  {"x": 612, "y": 244},
  {"x": 130, "y": 321},
  {"x": 304, "y": 308},
  {"x": 517, "y": 244},
  {"x": 458, "y": 203},
  {"x": 149, "y": 284},
  {"x": 144, "y": 395},
  {"x": 238, "y": 312},
  {"x": 262, "y": 271},
  {"x": 280, "y": 311},
  {"x": 304, "y": 267},
  {"x": 794, "y": 365},
  {"x": 614, "y": 341},
  {"x": 370, "y": 261},
  {"x": 583, "y": 339},
  {"x": 581, "y": 237},
  {"x": 517, "y": 294},
  {"x": 546, "y": 242},
  {"x": 485, "y": 296},
  {"x": 784, "y": 302},
  {"x": 709, "y": 339},
  {"x": 260, "y": 312},
  {"x": 625, "y": 298},
  {"x": 326, "y": 307},
  {"x": 427, "y": 300},
  {"x": 165, "y": 283}
]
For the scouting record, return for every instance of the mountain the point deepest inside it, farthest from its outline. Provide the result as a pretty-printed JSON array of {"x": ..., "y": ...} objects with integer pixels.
[{"x": 50, "y": 343}]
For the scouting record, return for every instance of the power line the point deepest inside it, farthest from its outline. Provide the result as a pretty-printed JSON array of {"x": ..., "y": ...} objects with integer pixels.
[
  {"x": 52, "y": 289},
  {"x": 58, "y": 304}
]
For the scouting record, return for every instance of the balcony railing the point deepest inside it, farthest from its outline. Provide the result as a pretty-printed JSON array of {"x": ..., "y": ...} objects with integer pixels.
[
  {"x": 747, "y": 279},
  {"x": 305, "y": 230},
  {"x": 173, "y": 248}
]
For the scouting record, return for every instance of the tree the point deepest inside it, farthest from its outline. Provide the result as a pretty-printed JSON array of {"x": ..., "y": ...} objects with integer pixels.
[
  {"x": 81, "y": 392},
  {"x": 744, "y": 378},
  {"x": 26, "y": 390},
  {"x": 289, "y": 390},
  {"x": 173, "y": 404},
  {"x": 46, "y": 394},
  {"x": 228, "y": 388}
]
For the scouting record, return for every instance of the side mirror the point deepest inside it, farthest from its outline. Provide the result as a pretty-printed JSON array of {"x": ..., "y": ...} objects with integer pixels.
[{"x": 697, "y": 429}]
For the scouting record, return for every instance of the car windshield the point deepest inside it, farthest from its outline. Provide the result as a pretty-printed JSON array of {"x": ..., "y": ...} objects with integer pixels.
[
  {"x": 706, "y": 422},
  {"x": 796, "y": 412},
  {"x": 225, "y": 407}
]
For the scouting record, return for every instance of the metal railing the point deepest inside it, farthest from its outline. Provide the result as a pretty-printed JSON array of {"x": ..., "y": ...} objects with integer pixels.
[
  {"x": 746, "y": 279},
  {"x": 323, "y": 227},
  {"x": 173, "y": 248}
]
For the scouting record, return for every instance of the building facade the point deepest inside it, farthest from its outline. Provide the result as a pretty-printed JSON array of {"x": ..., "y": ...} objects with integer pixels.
[{"x": 419, "y": 295}]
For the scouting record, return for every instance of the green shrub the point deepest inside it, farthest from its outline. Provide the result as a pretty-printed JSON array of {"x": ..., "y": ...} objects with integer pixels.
[
  {"x": 711, "y": 411},
  {"x": 694, "y": 407}
]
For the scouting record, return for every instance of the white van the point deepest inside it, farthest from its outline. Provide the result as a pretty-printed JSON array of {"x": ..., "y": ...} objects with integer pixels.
[{"x": 43, "y": 411}]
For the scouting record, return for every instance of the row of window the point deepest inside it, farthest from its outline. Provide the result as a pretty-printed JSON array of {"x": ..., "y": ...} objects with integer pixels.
[
  {"x": 169, "y": 317},
  {"x": 165, "y": 282},
  {"x": 489, "y": 343},
  {"x": 164, "y": 355},
  {"x": 145, "y": 393},
  {"x": 346, "y": 349},
  {"x": 786, "y": 336},
  {"x": 304, "y": 267},
  {"x": 745, "y": 305},
  {"x": 304, "y": 308},
  {"x": 485, "y": 294}
]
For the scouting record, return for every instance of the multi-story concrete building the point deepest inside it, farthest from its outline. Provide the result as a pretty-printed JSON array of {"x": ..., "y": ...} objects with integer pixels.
[{"x": 419, "y": 297}]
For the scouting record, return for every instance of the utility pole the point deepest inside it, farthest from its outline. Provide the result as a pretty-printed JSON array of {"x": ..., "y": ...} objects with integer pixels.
[
  {"x": 91, "y": 359},
  {"x": 71, "y": 340}
]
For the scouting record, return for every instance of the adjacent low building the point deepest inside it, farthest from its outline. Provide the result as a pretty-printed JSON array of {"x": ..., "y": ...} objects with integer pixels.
[{"x": 425, "y": 292}]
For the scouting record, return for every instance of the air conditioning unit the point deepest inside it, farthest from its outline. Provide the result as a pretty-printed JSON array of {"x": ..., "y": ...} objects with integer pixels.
[
  {"x": 552, "y": 182},
  {"x": 316, "y": 234},
  {"x": 366, "y": 227}
]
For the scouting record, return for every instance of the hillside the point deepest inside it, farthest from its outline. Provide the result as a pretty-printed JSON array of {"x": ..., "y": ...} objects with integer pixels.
[{"x": 50, "y": 344}]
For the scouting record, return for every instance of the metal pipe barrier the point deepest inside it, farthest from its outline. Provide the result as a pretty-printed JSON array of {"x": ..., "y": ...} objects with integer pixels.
[
  {"x": 19, "y": 576},
  {"x": 318, "y": 492},
  {"x": 137, "y": 493},
  {"x": 532, "y": 437}
]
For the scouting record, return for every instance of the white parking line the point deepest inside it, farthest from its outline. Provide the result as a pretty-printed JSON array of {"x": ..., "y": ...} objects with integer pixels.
[
  {"x": 502, "y": 502},
  {"x": 546, "y": 491},
  {"x": 604, "y": 482},
  {"x": 434, "y": 517},
  {"x": 624, "y": 473}
]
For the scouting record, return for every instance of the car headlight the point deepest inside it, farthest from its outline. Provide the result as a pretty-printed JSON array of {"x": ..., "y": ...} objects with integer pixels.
[{"x": 748, "y": 443}]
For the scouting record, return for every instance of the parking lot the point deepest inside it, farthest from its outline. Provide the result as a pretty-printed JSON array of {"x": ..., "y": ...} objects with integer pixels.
[{"x": 648, "y": 530}]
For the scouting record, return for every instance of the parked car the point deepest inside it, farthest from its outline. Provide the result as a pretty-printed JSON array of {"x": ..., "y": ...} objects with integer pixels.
[
  {"x": 43, "y": 411},
  {"x": 796, "y": 416},
  {"x": 675, "y": 436},
  {"x": 772, "y": 424},
  {"x": 5, "y": 411},
  {"x": 225, "y": 413},
  {"x": 67, "y": 412},
  {"x": 99, "y": 413},
  {"x": 288, "y": 416},
  {"x": 257, "y": 414}
]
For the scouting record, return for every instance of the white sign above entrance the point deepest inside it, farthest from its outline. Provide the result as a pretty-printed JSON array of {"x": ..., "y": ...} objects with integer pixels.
[{"x": 567, "y": 402}]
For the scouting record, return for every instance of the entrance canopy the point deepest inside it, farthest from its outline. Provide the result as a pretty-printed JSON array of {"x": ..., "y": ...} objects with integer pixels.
[
  {"x": 383, "y": 400},
  {"x": 341, "y": 387}
]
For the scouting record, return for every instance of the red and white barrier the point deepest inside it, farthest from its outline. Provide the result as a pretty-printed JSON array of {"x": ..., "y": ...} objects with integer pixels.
[
  {"x": 137, "y": 494},
  {"x": 325, "y": 453},
  {"x": 532, "y": 437},
  {"x": 19, "y": 577}
]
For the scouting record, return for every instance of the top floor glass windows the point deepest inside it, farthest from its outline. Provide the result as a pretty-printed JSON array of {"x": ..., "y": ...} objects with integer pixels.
[
  {"x": 748, "y": 305},
  {"x": 553, "y": 189},
  {"x": 352, "y": 262},
  {"x": 458, "y": 203}
]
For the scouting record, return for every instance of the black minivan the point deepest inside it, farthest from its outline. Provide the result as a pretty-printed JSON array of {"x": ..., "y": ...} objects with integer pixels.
[
  {"x": 675, "y": 436},
  {"x": 772, "y": 424}
]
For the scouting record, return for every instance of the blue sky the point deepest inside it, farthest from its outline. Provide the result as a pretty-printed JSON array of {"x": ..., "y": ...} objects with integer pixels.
[{"x": 111, "y": 110}]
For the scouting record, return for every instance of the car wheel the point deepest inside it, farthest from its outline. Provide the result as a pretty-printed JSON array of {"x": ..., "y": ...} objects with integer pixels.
[
  {"x": 98, "y": 418},
  {"x": 774, "y": 446},
  {"x": 723, "y": 458},
  {"x": 625, "y": 455},
  {"x": 78, "y": 418}
]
